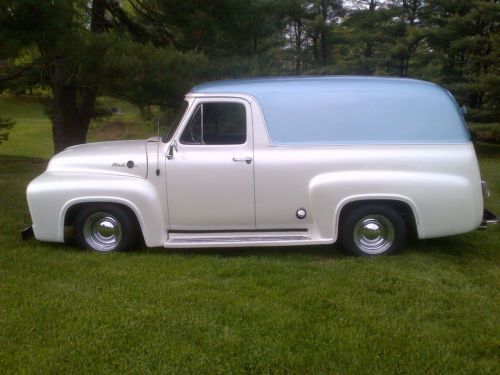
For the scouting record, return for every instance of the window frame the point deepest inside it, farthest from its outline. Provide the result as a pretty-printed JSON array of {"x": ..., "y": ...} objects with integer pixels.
[{"x": 199, "y": 102}]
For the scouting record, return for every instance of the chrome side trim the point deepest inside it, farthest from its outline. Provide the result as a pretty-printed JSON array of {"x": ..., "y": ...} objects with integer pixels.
[
  {"x": 238, "y": 239},
  {"x": 240, "y": 232}
]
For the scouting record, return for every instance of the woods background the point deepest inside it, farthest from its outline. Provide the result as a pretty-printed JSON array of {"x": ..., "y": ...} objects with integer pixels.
[{"x": 150, "y": 52}]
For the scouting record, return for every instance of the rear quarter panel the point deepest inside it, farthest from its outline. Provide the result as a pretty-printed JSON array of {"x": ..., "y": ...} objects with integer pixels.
[{"x": 441, "y": 183}]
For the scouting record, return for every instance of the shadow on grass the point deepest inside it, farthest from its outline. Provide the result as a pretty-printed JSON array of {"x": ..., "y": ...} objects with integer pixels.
[
  {"x": 323, "y": 251},
  {"x": 460, "y": 248},
  {"x": 461, "y": 251},
  {"x": 447, "y": 245}
]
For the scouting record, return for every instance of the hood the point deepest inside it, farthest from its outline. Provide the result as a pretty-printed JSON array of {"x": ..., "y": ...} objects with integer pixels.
[{"x": 124, "y": 158}]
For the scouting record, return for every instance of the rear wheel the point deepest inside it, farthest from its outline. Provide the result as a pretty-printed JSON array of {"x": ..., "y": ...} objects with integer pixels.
[
  {"x": 105, "y": 228},
  {"x": 373, "y": 230}
]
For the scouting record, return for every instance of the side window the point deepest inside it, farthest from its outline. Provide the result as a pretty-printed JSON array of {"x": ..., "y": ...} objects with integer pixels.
[
  {"x": 192, "y": 132},
  {"x": 216, "y": 124}
]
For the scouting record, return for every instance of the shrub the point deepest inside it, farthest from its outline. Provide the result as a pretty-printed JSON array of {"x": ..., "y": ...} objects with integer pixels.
[
  {"x": 487, "y": 133},
  {"x": 5, "y": 125}
]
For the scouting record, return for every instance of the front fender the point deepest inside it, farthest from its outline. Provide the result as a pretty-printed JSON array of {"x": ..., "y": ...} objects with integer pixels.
[
  {"x": 442, "y": 204},
  {"x": 52, "y": 194}
]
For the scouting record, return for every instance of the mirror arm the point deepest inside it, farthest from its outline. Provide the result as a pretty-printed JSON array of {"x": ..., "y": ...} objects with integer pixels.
[{"x": 171, "y": 148}]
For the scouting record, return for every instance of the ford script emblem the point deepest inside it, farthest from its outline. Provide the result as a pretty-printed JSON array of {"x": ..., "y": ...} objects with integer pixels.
[{"x": 129, "y": 164}]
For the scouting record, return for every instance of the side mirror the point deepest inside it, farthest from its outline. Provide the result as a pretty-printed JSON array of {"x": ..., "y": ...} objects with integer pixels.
[{"x": 171, "y": 148}]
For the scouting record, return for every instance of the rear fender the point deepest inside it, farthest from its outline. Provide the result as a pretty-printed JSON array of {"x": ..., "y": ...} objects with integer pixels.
[{"x": 442, "y": 204}]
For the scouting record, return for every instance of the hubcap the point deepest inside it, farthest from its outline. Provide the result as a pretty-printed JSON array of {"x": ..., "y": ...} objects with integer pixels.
[
  {"x": 102, "y": 231},
  {"x": 373, "y": 234}
]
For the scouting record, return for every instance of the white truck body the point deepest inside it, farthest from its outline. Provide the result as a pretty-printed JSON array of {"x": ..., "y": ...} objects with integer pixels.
[{"x": 247, "y": 189}]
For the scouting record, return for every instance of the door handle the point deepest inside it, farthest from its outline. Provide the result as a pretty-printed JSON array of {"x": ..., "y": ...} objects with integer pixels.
[{"x": 248, "y": 160}]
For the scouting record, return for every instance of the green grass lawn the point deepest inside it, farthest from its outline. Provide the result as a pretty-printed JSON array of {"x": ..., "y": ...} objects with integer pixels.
[{"x": 433, "y": 309}]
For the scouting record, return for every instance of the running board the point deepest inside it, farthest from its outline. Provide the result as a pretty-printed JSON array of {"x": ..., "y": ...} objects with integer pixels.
[{"x": 235, "y": 239}]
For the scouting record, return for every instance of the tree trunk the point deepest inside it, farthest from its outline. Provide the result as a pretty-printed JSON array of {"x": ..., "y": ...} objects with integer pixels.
[
  {"x": 73, "y": 103},
  {"x": 314, "y": 38},
  {"x": 298, "y": 44},
  {"x": 323, "y": 42},
  {"x": 324, "y": 47},
  {"x": 407, "y": 65},
  {"x": 98, "y": 19},
  {"x": 368, "y": 53},
  {"x": 66, "y": 125}
]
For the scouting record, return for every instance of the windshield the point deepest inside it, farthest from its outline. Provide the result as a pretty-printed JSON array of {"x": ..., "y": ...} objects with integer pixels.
[{"x": 174, "y": 124}]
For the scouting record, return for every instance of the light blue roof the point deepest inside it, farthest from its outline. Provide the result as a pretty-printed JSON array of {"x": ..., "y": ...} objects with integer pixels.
[
  {"x": 326, "y": 110},
  {"x": 302, "y": 84}
]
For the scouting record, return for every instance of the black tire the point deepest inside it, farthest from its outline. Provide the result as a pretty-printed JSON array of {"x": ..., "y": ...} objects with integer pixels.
[
  {"x": 372, "y": 230},
  {"x": 105, "y": 228}
]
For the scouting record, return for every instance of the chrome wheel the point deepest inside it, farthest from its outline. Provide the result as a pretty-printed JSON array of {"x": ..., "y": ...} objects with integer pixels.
[
  {"x": 102, "y": 231},
  {"x": 374, "y": 234}
]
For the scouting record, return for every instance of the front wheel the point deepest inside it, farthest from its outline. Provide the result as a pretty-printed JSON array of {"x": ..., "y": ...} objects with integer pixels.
[
  {"x": 373, "y": 230},
  {"x": 105, "y": 228}
]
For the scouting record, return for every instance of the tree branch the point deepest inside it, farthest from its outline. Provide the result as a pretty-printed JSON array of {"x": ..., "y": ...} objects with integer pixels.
[{"x": 18, "y": 73}]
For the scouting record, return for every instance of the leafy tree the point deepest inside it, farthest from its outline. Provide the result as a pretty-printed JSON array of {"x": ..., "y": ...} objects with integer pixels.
[
  {"x": 408, "y": 36},
  {"x": 145, "y": 75},
  {"x": 69, "y": 60},
  {"x": 322, "y": 17},
  {"x": 77, "y": 50},
  {"x": 237, "y": 36},
  {"x": 295, "y": 33},
  {"x": 464, "y": 41}
]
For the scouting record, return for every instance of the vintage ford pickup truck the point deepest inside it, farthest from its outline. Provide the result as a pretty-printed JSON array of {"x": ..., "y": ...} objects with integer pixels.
[{"x": 274, "y": 162}]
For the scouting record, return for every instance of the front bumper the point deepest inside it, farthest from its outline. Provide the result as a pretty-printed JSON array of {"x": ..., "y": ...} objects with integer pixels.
[{"x": 489, "y": 218}]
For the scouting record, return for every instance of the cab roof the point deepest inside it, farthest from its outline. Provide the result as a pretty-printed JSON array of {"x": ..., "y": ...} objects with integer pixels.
[{"x": 258, "y": 86}]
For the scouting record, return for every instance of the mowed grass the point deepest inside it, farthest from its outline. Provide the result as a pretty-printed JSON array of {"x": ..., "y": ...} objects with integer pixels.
[
  {"x": 31, "y": 136},
  {"x": 433, "y": 309}
]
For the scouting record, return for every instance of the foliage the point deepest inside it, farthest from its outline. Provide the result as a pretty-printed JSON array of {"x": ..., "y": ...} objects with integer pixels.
[
  {"x": 145, "y": 75},
  {"x": 81, "y": 55},
  {"x": 487, "y": 133},
  {"x": 465, "y": 42}
]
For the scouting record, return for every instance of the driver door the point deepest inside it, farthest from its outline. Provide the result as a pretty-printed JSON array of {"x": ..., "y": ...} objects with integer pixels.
[{"x": 210, "y": 177}]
